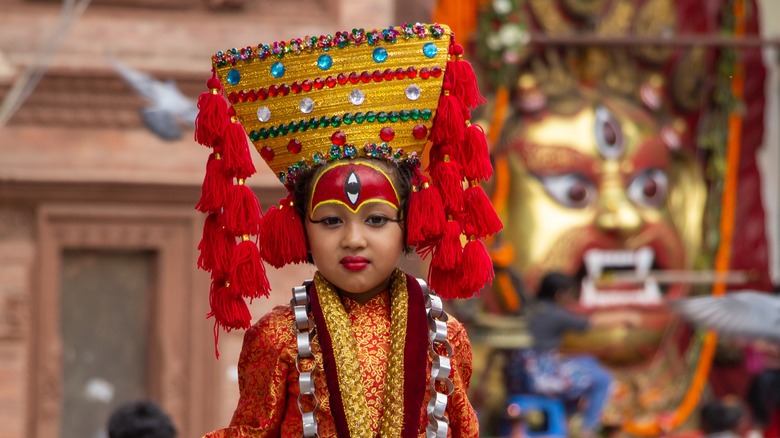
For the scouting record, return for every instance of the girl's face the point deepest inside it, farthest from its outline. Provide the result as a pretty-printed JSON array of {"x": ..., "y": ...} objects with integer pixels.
[{"x": 355, "y": 238}]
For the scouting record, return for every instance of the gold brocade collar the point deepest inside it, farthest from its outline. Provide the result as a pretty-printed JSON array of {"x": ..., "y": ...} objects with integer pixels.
[{"x": 345, "y": 351}]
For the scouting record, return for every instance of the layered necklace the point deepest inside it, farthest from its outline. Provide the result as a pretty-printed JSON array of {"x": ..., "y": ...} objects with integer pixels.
[{"x": 406, "y": 368}]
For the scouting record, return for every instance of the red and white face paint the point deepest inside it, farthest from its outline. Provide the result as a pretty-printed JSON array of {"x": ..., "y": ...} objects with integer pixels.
[
  {"x": 354, "y": 234},
  {"x": 353, "y": 185}
]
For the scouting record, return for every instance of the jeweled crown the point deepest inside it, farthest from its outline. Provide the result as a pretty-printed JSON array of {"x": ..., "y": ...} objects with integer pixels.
[
  {"x": 308, "y": 101},
  {"x": 390, "y": 94}
]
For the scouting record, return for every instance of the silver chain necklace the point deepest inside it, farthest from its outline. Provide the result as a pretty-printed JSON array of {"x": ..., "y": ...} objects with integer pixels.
[{"x": 441, "y": 386}]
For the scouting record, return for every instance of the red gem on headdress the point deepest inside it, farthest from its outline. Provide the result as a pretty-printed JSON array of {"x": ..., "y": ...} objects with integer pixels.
[
  {"x": 242, "y": 96},
  {"x": 262, "y": 94},
  {"x": 436, "y": 71},
  {"x": 387, "y": 133},
  {"x": 319, "y": 83},
  {"x": 342, "y": 78},
  {"x": 284, "y": 89},
  {"x": 365, "y": 77},
  {"x": 330, "y": 82},
  {"x": 377, "y": 76},
  {"x": 425, "y": 73},
  {"x": 294, "y": 146},
  {"x": 420, "y": 131},
  {"x": 354, "y": 78},
  {"x": 273, "y": 91},
  {"x": 233, "y": 97},
  {"x": 296, "y": 87},
  {"x": 338, "y": 138},
  {"x": 306, "y": 85},
  {"x": 411, "y": 72},
  {"x": 389, "y": 74},
  {"x": 400, "y": 73},
  {"x": 251, "y": 95},
  {"x": 267, "y": 153}
]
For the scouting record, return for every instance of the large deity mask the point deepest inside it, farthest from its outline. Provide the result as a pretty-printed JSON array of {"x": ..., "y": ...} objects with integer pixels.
[
  {"x": 610, "y": 159},
  {"x": 598, "y": 189}
]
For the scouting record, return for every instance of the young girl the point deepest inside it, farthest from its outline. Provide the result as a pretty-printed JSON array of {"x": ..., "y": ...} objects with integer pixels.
[{"x": 363, "y": 349}]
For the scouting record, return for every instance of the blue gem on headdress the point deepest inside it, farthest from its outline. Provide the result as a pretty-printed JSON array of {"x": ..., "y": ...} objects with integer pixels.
[
  {"x": 324, "y": 62},
  {"x": 430, "y": 50},
  {"x": 380, "y": 54},
  {"x": 350, "y": 151},
  {"x": 234, "y": 77},
  {"x": 277, "y": 69}
]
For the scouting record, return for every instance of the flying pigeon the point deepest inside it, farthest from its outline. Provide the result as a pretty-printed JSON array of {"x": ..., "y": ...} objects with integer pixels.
[
  {"x": 744, "y": 313},
  {"x": 168, "y": 108}
]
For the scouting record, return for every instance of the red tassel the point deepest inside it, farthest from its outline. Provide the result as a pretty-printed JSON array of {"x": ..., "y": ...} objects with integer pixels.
[
  {"x": 242, "y": 212},
  {"x": 449, "y": 251},
  {"x": 445, "y": 283},
  {"x": 464, "y": 81},
  {"x": 288, "y": 244},
  {"x": 238, "y": 159},
  {"x": 228, "y": 308},
  {"x": 216, "y": 246},
  {"x": 215, "y": 187},
  {"x": 477, "y": 268},
  {"x": 425, "y": 220},
  {"x": 480, "y": 216},
  {"x": 448, "y": 125},
  {"x": 249, "y": 278},
  {"x": 473, "y": 154},
  {"x": 212, "y": 116},
  {"x": 448, "y": 178}
]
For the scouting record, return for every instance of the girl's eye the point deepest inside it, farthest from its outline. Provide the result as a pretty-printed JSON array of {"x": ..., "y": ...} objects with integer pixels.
[
  {"x": 571, "y": 190},
  {"x": 376, "y": 221},
  {"x": 329, "y": 221}
]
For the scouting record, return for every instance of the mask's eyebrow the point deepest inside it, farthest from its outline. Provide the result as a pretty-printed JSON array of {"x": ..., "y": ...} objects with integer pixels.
[{"x": 555, "y": 160}]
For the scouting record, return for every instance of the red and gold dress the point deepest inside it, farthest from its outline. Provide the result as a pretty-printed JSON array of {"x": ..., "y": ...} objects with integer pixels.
[{"x": 394, "y": 380}]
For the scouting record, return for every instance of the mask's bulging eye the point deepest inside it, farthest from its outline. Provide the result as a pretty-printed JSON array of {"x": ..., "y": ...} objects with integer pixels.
[
  {"x": 570, "y": 190},
  {"x": 649, "y": 188},
  {"x": 352, "y": 188}
]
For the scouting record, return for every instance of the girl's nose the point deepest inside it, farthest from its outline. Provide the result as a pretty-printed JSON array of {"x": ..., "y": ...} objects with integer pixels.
[{"x": 353, "y": 235}]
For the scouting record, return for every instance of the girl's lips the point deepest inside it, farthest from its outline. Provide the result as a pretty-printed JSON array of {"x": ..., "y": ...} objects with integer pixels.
[{"x": 354, "y": 263}]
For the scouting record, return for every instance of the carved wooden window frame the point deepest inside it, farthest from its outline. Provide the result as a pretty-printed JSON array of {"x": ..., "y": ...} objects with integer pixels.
[{"x": 180, "y": 363}]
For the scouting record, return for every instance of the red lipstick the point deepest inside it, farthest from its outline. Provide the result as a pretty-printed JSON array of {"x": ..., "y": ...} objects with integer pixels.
[{"x": 354, "y": 263}]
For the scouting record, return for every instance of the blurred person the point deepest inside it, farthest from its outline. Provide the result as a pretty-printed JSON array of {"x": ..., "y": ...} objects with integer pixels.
[
  {"x": 763, "y": 395},
  {"x": 140, "y": 419},
  {"x": 721, "y": 418},
  {"x": 546, "y": 370}
]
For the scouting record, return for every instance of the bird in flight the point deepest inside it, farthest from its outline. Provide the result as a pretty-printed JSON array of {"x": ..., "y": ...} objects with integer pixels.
[
  {"x": 744, "y": 313},
  {"x": 168, "y": 110}
]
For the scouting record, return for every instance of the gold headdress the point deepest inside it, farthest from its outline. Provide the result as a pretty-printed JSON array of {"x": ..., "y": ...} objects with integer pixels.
[{"x": 390, "y": 94}]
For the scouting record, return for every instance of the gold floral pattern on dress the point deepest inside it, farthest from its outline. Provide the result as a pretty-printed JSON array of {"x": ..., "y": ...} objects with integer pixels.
[{"x": 268, "y": 379}]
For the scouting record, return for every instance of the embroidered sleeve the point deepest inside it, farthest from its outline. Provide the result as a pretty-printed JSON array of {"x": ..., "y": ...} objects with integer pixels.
[{"x": 263, "y": 368}]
